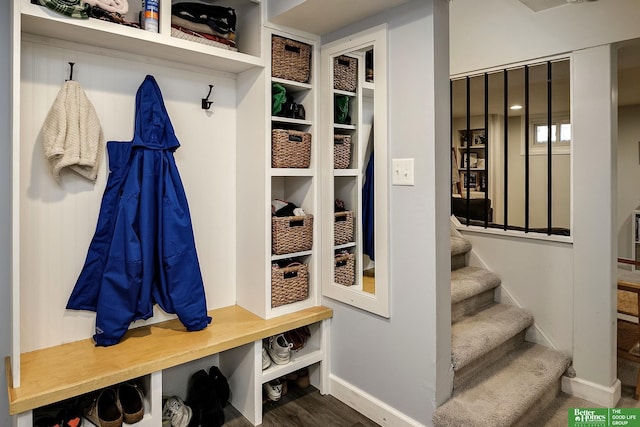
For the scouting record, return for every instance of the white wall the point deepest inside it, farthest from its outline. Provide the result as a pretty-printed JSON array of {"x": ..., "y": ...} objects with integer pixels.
[
  {"x": 628, "y": 174},
  {"x": 488, "y": 33},
  {"x": 52, "y": 213},
  {"x": 552, "y": 263},
  {"x": 561, "y": 180},
  {"x": 404, "y": 361},
  {"x": 5, "y": 202}
]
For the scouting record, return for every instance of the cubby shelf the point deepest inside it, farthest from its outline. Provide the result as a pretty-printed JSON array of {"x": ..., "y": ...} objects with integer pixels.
[
  {"x": 41, "y": 21},
  {"x": 292, "y": 255},
  {"x": 308, "y": 355},
  {"x": 290, "y": 121},
  {"x": 345, "y": 172},
  {"x": 67, "y": 367},
  {"x": 291, "y": 85},
  {"x": 57, "y": 373}
]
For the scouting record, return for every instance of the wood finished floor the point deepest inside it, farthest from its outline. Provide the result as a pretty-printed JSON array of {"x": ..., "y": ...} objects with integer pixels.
[
  {"x": 303, "y": 408},
  {"x": 307, "y": 408}
]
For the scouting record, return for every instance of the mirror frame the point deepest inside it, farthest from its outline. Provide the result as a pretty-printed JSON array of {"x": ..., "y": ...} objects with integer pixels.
[{"x": 378, "y": 302}]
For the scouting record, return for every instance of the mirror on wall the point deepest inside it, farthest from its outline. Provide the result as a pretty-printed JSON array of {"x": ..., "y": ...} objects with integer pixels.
[{"x": 355, "y": 176}]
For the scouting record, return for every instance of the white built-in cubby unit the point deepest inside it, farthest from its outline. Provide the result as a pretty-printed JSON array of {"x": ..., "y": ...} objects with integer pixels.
[{"x": 225, "y": 165}]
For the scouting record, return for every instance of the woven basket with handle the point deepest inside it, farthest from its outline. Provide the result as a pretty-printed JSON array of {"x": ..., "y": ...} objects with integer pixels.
[
  {"x": 289, "y": 284},
  {"x": 290, "y": 59},
  {"x": 344, "y": 270},
  {"x": 290, "y": 234},
  {"x": 341, "y": 151},
  {"x": 343, "y": 227},
  {"x": 290, "y": 148},
  {"x": 345, "y": 73}
]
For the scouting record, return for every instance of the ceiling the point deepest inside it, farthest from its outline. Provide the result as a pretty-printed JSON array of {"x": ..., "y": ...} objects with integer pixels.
[
  {"x": 325, "y": 16},
  {"x": 320, "y": 17},
  {"x": 539, "y": 5}
]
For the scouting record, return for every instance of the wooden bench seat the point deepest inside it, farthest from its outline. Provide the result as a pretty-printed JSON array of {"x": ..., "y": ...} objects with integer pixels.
[{"x": 56, "y": 373}]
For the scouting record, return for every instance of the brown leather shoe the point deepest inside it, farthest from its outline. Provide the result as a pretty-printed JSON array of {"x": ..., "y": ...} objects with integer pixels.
[
  {"x": 105, "y": 410},
  {"x": 131, "y": 400}
]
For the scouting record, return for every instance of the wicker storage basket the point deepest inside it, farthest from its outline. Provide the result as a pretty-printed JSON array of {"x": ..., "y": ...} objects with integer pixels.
[
  {"x": 343, "y": 227},
  {"x": 291, "y": 234},
  {"x": 341, "y": 151},
  {"x": 345, "y": 73},
  {"x": 344, "y": 271},
  {"x": 290, "y": 148},
  {"x": 289, "y": 284},
  {"x": 290, "y": 59}
]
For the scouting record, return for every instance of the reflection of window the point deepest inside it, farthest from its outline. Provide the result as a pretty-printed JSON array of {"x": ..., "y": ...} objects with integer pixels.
[{"x": 560, "y": 136}]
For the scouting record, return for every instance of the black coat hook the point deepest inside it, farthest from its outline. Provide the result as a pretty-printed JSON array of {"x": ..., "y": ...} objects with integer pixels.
[
  {"x": 206, "y": 104},
  {"x": 71, "y": 64}
]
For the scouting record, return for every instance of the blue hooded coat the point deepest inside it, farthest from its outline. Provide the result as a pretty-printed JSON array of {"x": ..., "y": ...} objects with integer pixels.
[
  {"x": 368, "y": 211},
  {"x": 143, "y": 251}
]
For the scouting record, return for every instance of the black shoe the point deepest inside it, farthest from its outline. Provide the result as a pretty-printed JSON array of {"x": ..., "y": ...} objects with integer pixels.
[
  {"x": 220, "y": 384},
  {"x": 204, "y": 401}
]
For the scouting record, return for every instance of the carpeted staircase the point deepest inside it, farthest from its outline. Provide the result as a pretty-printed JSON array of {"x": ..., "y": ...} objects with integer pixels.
[{"x": 500, "y": 379}]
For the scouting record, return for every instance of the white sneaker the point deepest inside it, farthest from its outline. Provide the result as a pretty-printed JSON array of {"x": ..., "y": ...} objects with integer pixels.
[
  {"x": 279, "y": 349},
  {"x": 266, "y": 360},
  {"x": 273, "y": 389},
  {"x": 176, "y": 412}
]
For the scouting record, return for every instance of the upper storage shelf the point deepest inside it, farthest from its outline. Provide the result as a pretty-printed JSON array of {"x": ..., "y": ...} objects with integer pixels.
[{"x": 96, "y": 33}]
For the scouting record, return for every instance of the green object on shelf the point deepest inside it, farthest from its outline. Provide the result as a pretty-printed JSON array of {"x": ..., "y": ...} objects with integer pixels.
[
  {"x": 279, "y": 94},
  {"x": 342, "y": 109}
]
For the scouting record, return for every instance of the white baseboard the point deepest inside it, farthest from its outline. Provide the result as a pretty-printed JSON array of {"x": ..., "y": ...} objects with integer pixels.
[
  {"x": 369, "y": 406},
  {"x": 603, "y": 396}
]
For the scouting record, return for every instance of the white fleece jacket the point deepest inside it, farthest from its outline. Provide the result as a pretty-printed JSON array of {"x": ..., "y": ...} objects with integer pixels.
[{"x": 71, "y": 135}]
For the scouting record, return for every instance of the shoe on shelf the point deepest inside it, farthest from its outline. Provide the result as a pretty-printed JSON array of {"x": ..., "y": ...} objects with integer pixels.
[
  {"x": 303, "y": 378},
  {"x": 279, "y": 349},
  {"x": 220, "y": 385},
  {"x": 298, "y": 337},
  {"x": 273, "y": 390},
  {"x": 70, "y": 416},
  {"x": 105, "y": 410},
  {"x": 175, "y": 413},
  {"x": 204, "y": 400},
  {"x": 131, "y": 400},
  {"x": 266, "y": 360},
  {"x": 46, "y": 421}
]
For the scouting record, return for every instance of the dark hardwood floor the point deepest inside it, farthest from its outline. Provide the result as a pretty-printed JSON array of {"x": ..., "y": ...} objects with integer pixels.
[{"x": 303, "y": 408}]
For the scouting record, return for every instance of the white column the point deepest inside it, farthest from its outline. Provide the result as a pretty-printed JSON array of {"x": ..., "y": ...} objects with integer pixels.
[{"x": 594, "y": 206}]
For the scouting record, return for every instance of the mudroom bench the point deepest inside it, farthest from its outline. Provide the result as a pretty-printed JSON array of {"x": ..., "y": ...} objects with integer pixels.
[{"x": 57, "y": 373}]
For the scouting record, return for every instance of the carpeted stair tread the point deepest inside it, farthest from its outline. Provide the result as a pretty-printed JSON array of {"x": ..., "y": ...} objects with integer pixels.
[
  {"x": 459, "y": 245},
  {"x": 477, "y": 335},
  {"x": 501, "y": 394},
  {"x": 467, "y": 282}
]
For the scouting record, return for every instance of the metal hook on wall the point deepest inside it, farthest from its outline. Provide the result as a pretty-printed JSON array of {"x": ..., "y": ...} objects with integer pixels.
[
  {"x": 206, "y": 104},
  {"x": 71, "y": 64}
]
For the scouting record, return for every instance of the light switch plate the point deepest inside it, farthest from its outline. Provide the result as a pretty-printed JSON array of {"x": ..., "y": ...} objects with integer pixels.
[{"x": 402, "y": 170}]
